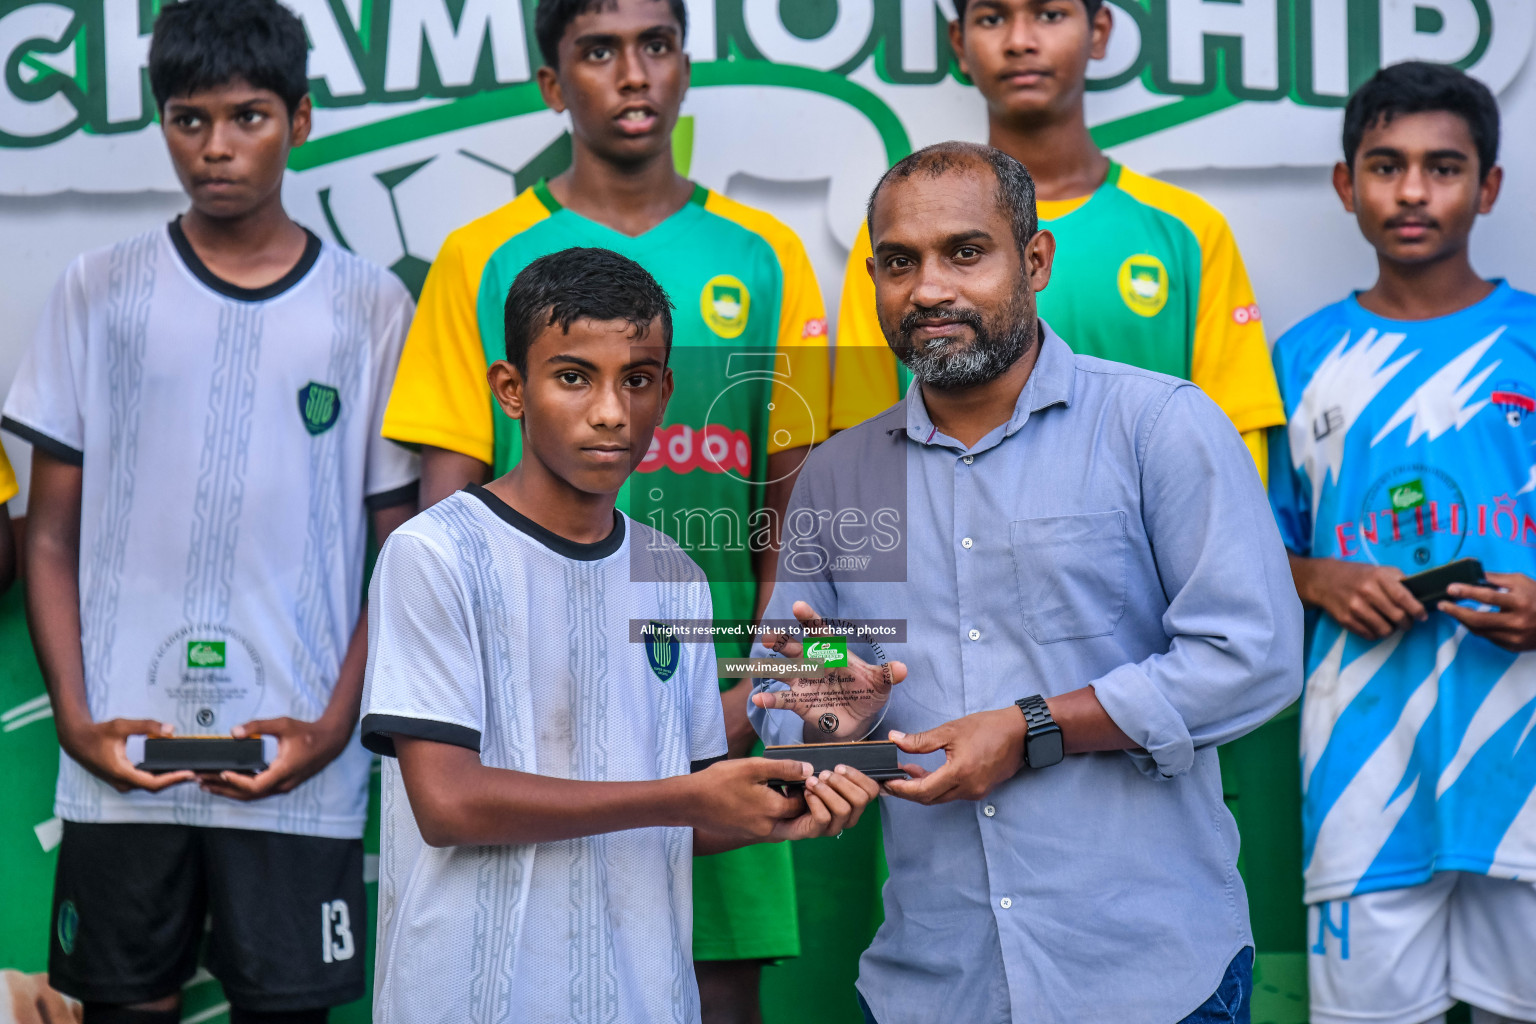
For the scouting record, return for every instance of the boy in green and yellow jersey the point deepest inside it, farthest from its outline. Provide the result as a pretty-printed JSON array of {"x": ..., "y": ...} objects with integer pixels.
[
  {"x": 8, "y": 490},
  {"x": 1146, "y": 273},
  {"x": 752, "y": 370}
]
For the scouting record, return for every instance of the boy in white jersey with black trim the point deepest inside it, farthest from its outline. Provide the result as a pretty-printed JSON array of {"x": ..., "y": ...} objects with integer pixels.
[
  {"x": 1409, "y": 446},
  {"x": 540, "y": 818},
  {"x": 204, "y": 404}
]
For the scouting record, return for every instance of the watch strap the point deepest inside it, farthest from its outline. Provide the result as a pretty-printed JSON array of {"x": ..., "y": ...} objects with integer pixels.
[{"x": 1039, "y": 723}]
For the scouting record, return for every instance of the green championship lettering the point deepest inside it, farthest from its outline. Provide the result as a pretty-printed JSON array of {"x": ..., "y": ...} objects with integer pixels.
[{"x": 80, "y": 64}]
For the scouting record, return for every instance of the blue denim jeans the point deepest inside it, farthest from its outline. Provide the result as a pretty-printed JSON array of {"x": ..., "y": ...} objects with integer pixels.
[
  {"x": 1232, "y": 1001},
  {"x": 1229, "y": 1004}
]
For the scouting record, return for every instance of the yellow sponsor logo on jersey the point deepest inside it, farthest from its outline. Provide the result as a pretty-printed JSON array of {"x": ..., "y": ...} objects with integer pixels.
[
  {"x": 1144, "y": 284},
  {"x": 724, "y": 304}
]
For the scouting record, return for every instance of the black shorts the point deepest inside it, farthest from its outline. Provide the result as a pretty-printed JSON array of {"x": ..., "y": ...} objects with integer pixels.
[{"x": 287, "y": 917}]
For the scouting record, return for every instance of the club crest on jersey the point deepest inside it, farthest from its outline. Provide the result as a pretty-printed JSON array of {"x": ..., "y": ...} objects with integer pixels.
[
  {"x": 724, "y": 304},
  {"x": 1144, "y": 284},
  {"x": 661, "y": 650},
  {"x": 1514, "y": 400},
  {"x": 319, "y": 405}
]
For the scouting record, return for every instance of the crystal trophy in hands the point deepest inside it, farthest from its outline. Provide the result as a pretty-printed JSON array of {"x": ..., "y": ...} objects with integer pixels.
[{"x": 841, "y": 695}]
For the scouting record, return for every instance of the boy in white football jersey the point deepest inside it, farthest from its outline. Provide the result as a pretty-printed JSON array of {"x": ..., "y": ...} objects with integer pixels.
[
  {"x": 537, "y": 668},
  {"x": 204, "y": 403}
]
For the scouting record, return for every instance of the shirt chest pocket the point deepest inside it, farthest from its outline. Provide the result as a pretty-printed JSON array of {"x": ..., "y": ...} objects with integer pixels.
[{"x": 1070, "y": 572}]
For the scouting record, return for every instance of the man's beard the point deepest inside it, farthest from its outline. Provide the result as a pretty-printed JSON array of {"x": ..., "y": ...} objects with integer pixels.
[{"x": 945, "y": 364}]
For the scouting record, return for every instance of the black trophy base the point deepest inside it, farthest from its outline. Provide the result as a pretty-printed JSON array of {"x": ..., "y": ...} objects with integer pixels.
[
  {"x": 875, "y": 758},
  {"x": 203, "y": 754}
]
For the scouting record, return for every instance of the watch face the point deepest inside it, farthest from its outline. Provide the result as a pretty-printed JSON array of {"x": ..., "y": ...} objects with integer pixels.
[{"x": 1044, "y": 750}]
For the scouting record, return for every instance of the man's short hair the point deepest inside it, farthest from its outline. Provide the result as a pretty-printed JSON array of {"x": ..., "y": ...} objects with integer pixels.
[
  {"x": 1418, "y": 87},
  {"x": 205, "y": 44},
  {"x": 1015, "y": 186},
  {"x": 576, "y": 284},
  {"x": 553, "y": 17},
  {"x": 1092, "y": 5}
]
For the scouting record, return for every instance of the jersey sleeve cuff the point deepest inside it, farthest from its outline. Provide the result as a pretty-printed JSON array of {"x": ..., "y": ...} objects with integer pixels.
[
  {"x": 1258, "y": 417},
  {"x": 405, "y": 495},
  {"x": 379, "y": 732},
  {"x": 45, "y": 443},
  {"x": 412, "y": 434}
]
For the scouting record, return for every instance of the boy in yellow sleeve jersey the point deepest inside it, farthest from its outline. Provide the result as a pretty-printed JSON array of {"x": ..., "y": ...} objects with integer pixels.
[
  {"x": 1146, "y": 273},
  {"x": 8, "y": 490},
  {"x": 752, "y": 370}
]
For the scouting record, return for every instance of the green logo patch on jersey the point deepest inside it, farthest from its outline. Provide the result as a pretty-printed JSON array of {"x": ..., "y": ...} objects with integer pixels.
[
  {"x": 661, "y": 650},
  {"x": 319, "y": 405},
  {"x": 724, "y": 305},
  {"x": 205, "y": 654},
  {"x": 831, "y": 651},
  {"x": 1406, "y": 495},
  {"x": 1144, "y": 284}
]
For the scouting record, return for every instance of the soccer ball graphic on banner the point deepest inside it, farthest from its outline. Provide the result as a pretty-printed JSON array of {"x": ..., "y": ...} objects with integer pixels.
[
  {"x": 400, "y": 213},
  {"x": 392, "y": 190}
]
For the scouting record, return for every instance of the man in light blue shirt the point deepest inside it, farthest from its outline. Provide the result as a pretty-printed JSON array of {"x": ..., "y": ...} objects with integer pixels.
[{"x": 1072, "y": 528}]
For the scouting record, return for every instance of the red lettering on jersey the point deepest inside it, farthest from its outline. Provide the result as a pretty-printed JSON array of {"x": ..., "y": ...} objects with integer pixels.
[
  {"x": 714, "y": 449},
  {"x": 1369, "y": 533}
]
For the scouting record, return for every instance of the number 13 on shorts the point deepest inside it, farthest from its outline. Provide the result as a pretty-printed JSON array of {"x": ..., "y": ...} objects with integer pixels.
[{"x": 336, "y": 931}]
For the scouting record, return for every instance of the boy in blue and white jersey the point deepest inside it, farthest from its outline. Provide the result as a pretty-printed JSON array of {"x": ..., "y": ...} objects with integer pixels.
[{"x": 1410, "y": 442}]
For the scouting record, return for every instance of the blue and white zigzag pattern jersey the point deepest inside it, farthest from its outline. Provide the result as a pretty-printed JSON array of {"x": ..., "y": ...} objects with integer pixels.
[{"x": 1411, "y": 444}]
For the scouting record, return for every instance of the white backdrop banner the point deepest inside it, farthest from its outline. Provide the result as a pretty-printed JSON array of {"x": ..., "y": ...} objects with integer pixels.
[{"x": 428, "y": 116}]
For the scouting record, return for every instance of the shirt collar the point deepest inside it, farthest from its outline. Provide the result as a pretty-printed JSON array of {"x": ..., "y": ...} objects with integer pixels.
[{"x": 1050, "y": 383}]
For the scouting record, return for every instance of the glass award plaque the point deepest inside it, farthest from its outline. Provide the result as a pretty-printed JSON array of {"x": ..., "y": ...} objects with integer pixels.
[{"x": 837, "y": 680}]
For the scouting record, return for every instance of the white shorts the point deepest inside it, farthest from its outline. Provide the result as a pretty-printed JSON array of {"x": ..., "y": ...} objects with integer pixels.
[{"x": 1405, "y": 956}]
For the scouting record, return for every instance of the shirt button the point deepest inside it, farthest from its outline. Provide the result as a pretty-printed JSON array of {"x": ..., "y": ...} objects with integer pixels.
[
  {"x": 989, "y": 810},
  {"x": 975, "y": 634},
  {"x": 1005, "y": 902},
  {"x": 968, "y": 459},
  {"x": 966, "y": 543}
]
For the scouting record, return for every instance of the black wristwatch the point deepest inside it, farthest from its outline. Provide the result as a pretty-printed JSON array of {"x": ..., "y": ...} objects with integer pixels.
[{"x": 1042, "y": 737}]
